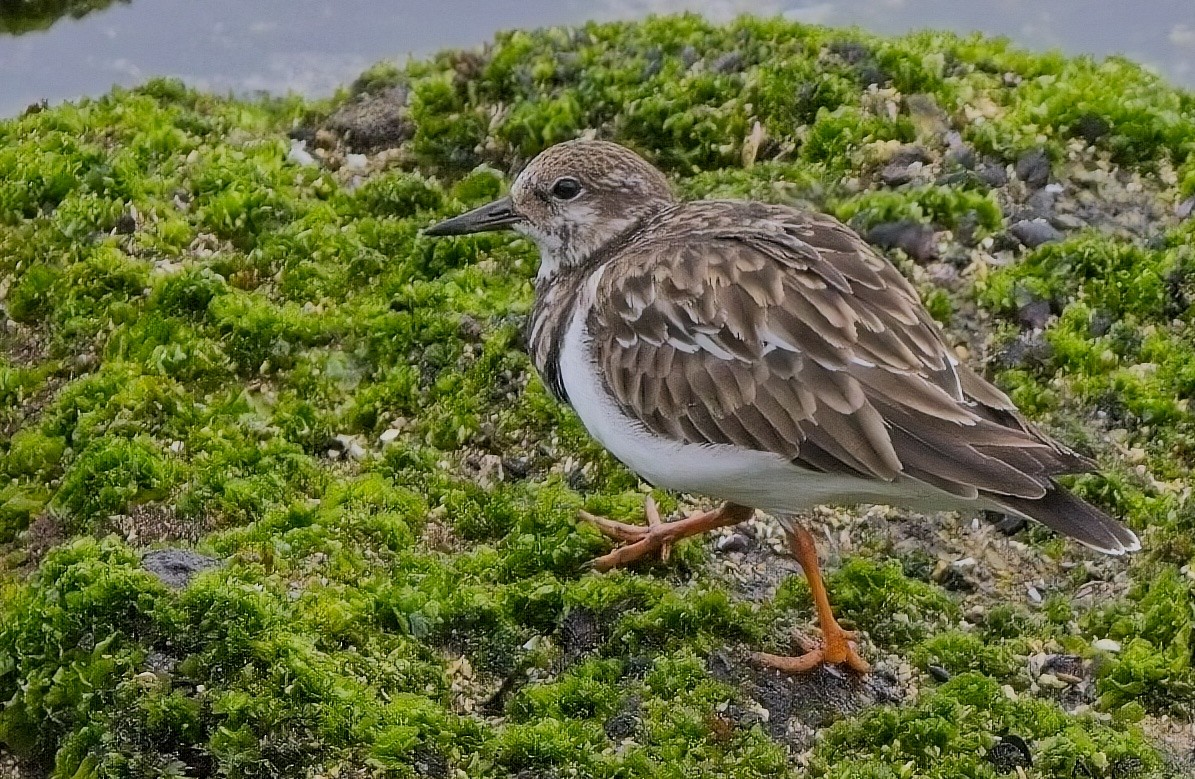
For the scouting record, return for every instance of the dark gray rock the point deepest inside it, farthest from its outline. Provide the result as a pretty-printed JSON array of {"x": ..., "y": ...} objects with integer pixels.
[
  {"x": 1009, "y": 754},
  {"x": 1034, "y": 314},
  {"x": 895, "y": 174},
  {"x": 735, "y": 542},
  {"x": 1007, "y": 524},
  {"x": 1071, "y": 665},
  {"x": 730, "y": 62},
  {"x": 993, "y": 174},
  {"x": 959, "y": 152},
  {"x": 1184, "y": 209},
  {"x": 1031, "y": 351},
  {"x": 1035, "y": 232},
  {"x": 939, "y": 673},
  {"x": 1033, "y": 168},
  {"x": 966, "y": 232},
  {"x": 580, "y": 632},
  {"x": 126, "y": 224},
  {"x": 578, "y": 481},
  {"x": 915, "y": 239},
  {"x": 516, "y": 468},
  {"x": 910, "y": 153},
  {"x": 1101, "y": 322},
  {"x": 1092, "y": 127},
  {"x": 815, "y": 699},
  {"x": 371, "y": 123},
  {"x": 1042, "y": 202},
  {"x": 624, "y": 723},
  {"x": 469, "y": 329},
  {"x": 176, "y": 567}
]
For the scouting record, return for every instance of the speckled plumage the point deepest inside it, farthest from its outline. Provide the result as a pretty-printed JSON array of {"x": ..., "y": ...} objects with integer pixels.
[{"x": 737, "y": 330}]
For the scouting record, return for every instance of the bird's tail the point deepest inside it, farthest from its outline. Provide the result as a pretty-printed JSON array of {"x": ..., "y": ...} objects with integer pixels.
[{"x": 1071, "y": 516}]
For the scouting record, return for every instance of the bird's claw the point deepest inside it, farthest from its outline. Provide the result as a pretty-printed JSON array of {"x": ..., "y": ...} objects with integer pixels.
[
  {"x": 837, "y": 649},
  {"x": 638, "y": 540}
]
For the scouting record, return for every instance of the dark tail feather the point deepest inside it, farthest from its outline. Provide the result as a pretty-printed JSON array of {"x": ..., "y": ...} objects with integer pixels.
[{"x": 1073, "y": 517}]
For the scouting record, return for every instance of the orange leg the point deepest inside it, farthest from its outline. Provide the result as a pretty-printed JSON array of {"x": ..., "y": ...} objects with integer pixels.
[
  {"x": 659, "y": 535},
  {"x": 837, "y": 643}
]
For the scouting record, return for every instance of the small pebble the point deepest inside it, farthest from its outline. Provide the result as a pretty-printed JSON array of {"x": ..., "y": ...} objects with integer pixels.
[
  {"x": 350, "y": 447},
  {"x": 939, "y": 673},
  {"x": 1033, "y": 168},
  {"x": 993, "y": 175},
  {"x": 1035, "y": 232},
  {"x": 299, "y": 155},
  {"x": 1034, "y": 314},
  {"x": 1106, "y": 645},
  {"x": 735, "y": 542}
]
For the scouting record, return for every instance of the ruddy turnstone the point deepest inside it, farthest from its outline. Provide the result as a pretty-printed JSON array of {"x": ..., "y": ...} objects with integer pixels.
[{"x": 763, "y": 356}]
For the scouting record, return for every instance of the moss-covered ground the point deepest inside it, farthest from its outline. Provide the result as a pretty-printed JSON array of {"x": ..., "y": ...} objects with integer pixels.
[
  {"x": 22, "y": 16},
  {"x": 281, "y": 495}
]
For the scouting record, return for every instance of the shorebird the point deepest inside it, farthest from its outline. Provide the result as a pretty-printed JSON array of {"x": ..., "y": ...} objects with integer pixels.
[{"x": 762, "y": 356}]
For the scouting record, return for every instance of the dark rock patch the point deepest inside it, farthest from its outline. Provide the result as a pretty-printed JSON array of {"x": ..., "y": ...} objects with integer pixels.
[
  {"x": 1034, "y": 314},
  {"x": 626, "y": 721},
  {"x": 815, "y": 699},
  {"x": 939, "y": 673},
  {"x": 580, "y": 633},
  {"x": 371, "y": 123},
  {"x": 1007, "y": 524},
  {"x": 735, "y": 542},
  {"x": 913, "y": 238},
  {"x": 1031, "y": 351},
  {"x": 1033, "y": 168},
  {"x": 430, "y": 764},
  {"x": 1035, "y": 232},
  {"x": 1091, "y": 127},
  {"x": 1010, "y": 753},
  {"x": 994, "y": 175},
  {"x": 177, "y": 567},
  {"x": 730, "y": 62}
]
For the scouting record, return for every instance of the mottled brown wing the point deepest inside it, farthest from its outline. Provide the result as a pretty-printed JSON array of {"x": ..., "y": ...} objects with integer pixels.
[{"x": 779, "y": 331}]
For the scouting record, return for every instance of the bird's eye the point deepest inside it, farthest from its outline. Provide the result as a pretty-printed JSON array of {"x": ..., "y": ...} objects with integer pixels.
[{"x": 566, "y": 188}]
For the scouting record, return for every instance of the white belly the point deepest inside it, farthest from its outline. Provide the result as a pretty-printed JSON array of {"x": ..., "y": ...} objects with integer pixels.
[{"x": 750, "y": 478}]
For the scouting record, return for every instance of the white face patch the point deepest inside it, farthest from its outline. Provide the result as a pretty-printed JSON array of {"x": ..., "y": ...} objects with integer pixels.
[{"x": 615, "y": 193}]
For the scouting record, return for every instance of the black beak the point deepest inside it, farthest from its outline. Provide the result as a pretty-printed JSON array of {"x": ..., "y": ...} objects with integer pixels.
[{"x": 493, "y": 216}]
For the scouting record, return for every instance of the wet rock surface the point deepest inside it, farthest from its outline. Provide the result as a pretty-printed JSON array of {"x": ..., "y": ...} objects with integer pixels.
[{"x": 793, "y": 706}]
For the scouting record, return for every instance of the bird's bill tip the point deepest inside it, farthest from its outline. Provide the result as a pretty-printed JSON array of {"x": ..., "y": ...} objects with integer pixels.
[{"x": 497, "y": 215}]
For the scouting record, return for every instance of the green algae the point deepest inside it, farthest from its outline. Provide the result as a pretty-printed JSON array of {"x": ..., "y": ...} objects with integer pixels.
[
  {"x": 23, "y": 16},
  {"x": 204, "y": 328}
]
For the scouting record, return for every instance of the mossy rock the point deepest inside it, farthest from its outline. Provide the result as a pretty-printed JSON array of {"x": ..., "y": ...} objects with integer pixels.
[{"x": 209, "y": 340}]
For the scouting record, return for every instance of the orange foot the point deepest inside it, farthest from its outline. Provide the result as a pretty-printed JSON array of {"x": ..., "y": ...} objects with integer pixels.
[
  {"x": 837, "y": 650},
  {"x": 659, "y": 536},
  {"x": 837, "y": 646}
]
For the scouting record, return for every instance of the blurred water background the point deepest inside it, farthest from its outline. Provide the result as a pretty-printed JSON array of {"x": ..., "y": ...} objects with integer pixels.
[{"x": 313, "y": 46}]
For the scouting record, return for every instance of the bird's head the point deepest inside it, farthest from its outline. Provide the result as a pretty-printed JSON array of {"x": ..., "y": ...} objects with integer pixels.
[{"x": 572, "y": 199}]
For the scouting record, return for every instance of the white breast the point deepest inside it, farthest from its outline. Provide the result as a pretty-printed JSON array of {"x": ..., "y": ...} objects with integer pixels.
[{"x": 751, "y": 478}]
